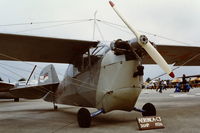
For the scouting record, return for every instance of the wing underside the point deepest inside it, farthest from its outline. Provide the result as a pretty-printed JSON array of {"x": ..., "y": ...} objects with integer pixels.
[
  {"x": 180, "y": 55},
  {"x": 4, "y": 87},
  {"x": 45, "y": 49},
  {"x": 42, "y": 49}
]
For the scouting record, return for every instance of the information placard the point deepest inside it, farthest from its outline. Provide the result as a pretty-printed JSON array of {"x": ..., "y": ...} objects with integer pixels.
[{"x": 150, "y": 122}]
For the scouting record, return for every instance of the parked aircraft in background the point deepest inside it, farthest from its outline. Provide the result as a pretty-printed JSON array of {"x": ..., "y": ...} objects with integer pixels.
[
  {"x": 99, "y": 76},
  {"x": 4, "y": 91},
  {"x": 6, "y": 87}
]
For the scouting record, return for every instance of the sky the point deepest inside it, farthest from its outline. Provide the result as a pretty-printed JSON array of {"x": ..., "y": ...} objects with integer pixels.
[{"x": 174, "y": 19}]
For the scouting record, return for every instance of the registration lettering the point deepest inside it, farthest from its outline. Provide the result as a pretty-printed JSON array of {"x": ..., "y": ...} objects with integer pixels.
[
  {"x": 150, "y": 122},
  {"x": 144, "y": 125}
]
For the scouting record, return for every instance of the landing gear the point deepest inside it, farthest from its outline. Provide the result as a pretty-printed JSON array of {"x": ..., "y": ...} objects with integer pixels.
[
  {"x": 149, "y": 110},
  {"x": 16, "y": 99},
  {"x": 84, "y": 117},
  {"x": 55, "y": 107}
]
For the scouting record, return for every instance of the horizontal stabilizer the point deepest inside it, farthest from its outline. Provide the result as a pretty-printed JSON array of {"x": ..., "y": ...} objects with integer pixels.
[
  {"x": 34, "y": 92},
  {"x": 180, "y": 55}
]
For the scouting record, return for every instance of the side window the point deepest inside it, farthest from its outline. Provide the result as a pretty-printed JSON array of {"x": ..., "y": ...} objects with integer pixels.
[{"x": 81, "y": 64}]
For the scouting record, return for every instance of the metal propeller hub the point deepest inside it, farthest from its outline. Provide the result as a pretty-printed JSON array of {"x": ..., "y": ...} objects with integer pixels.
[{"x": 143, "y": 39}]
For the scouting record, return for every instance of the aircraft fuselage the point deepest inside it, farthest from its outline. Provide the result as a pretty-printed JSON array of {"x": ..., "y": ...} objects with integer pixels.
[{"x": 108, "y": 84}]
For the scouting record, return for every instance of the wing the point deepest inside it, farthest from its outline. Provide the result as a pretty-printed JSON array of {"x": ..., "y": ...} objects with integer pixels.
[
  {"x": 6, "y": 95},
  {"x": 4, "y": 87},
  {"x": 42, "y": 49},
  {"x": 180, "y": 55},
  {"x": 191, "y": 76}
]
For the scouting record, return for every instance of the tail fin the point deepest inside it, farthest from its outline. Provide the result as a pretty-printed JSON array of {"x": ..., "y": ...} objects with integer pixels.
[{"x": 48, "y": 76}]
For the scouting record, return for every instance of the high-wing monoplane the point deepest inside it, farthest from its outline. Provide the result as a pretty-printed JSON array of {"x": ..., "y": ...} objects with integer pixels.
[{"x": 103, "y": 77}]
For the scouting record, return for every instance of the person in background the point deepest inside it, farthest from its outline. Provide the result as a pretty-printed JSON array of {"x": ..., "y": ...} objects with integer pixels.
[
  {"x": 165, "y": 84},
  {"x": 161, "y": 85},
  {"x": 158, "y": 84},
  {"x": 184, "y": 82}
]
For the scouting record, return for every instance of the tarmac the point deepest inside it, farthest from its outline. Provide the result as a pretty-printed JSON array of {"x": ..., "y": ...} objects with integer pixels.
[{"x": 180, "y": 113}]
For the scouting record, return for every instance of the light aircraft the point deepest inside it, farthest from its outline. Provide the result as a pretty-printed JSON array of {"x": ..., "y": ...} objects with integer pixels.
[
  {"x": 6, "y": 87},
  {"x": 102, "y": 77}
]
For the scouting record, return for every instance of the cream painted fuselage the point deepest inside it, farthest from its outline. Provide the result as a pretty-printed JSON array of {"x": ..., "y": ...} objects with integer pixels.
[{"x": 108, "y": 84}]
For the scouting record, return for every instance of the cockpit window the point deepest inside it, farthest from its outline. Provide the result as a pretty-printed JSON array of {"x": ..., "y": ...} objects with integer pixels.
[
  {"x": 100, "y": 50},
  {"x": 83, "y": 62}
]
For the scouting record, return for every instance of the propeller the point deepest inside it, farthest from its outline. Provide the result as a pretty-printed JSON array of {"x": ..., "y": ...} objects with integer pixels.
[{"x": 144, "y": 42}]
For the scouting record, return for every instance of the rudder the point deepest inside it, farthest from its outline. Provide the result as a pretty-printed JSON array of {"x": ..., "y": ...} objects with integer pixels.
[{"x": 48, "y": 75}]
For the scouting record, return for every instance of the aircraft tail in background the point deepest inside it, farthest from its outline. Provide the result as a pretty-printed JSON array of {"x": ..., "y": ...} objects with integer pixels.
[{"x": 48, "y": 76}]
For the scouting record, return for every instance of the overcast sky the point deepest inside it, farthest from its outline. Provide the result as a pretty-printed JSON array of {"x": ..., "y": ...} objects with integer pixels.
[{"x": 175, "y": 19}]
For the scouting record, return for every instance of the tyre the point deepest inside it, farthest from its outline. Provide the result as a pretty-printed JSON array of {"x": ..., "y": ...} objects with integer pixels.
[
  {"x": 149, "y": 110},
  {"x": 84, "y": 118}
]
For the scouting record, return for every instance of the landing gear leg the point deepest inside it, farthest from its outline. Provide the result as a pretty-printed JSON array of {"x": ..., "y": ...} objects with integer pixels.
[
  {"x": 147, "y": 110},
  {"x": 84, "y": 117},
  {"x": 16, "y": 99},
  {"x": 55, "y": 107}
]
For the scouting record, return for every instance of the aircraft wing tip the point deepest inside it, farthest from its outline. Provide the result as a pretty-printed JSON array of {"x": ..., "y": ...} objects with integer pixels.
[
  {"x": 172, "y": 75},
  {"x": 111, "y": 3}
]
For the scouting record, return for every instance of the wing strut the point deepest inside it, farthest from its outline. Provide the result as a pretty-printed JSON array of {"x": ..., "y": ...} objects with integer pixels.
[{"x": 31, "y": 74}]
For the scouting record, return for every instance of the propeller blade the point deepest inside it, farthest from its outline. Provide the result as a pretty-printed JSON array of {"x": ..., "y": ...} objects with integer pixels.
[{"x": 144, "y": 42}]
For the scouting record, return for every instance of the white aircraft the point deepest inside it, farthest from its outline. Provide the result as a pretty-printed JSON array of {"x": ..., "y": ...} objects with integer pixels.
[{"x": 102, "y": 77}]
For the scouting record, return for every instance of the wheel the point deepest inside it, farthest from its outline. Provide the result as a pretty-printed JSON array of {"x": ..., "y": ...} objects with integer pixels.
[
  {"x": 84, "y": 118},
  {"x": 55, "y": 107},
  {"x": 16, "y": 99},
  {"x": 149, "y": 110}
]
